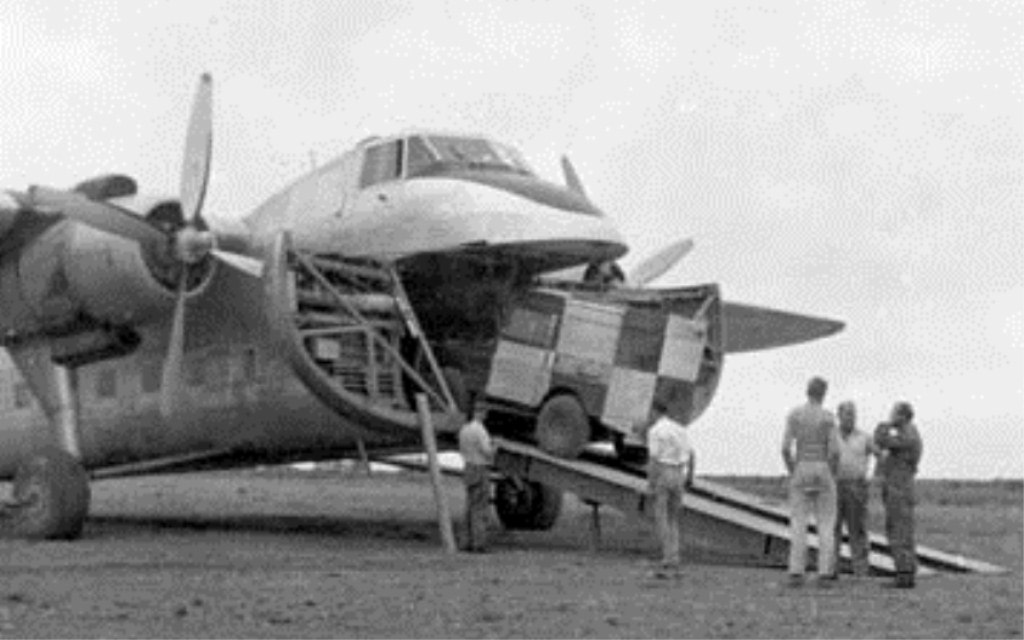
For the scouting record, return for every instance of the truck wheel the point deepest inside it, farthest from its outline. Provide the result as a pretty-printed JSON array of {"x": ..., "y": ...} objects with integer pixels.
[
  {"x": 51, "y": 498},
  {"x": 526, "y": 506},
  {"x": 563, "y": 428}
]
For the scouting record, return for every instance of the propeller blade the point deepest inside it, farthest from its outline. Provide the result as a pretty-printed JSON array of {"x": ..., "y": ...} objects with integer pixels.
[
  {"x": 750, "y": 328},
  {"x": 195, "y": 169},
  {"x": 656, "y": 266},
  {"x": 245, "y": 264},
  {"x": 572, "y": 180},
  {"x": 171, "y": 381},
  {"x": 99, "y": 215}
]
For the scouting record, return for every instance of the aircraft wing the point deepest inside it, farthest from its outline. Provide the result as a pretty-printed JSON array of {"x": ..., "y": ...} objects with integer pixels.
[{"x": 750, "y": 328}]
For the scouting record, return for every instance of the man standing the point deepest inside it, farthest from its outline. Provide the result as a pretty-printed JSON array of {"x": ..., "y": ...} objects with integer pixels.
[
  {"x": 477, "y": 453},
  {"x": 811, "y": 484},
  {"x": 669, "y": 469},
  {"x": 901, "y": 452},
  {"x": 855, "y": 451}
]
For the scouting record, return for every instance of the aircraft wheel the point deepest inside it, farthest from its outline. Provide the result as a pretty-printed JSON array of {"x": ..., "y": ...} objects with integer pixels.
[
  {"x": 526, "y": 506},
  {"x": 51, "y": 497},
  {"x": 563, "y": 428}
]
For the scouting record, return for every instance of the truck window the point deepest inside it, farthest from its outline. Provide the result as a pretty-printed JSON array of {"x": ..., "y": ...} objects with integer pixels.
[{"x": 531, "y": 327}]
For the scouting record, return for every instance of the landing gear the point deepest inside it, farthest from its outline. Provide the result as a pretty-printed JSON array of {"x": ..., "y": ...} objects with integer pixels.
[
  {"x": 563, "y": 428},
  {"x": 526, "y": 506},
  {"x": 50, "y": 498}
]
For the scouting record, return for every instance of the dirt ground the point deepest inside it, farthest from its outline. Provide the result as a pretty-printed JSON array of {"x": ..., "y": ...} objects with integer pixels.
[{"x": 278, "y": 554}]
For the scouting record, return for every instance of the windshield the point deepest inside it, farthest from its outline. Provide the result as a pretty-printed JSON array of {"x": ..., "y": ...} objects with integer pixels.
[{"x": 428, "y": 152}]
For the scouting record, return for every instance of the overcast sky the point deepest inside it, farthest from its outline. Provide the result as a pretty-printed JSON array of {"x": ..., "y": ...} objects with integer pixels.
[{"x": 856, "y": 160}]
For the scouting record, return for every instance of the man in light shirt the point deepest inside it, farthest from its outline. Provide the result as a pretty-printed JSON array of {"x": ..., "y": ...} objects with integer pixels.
[
  {"x": 855, "y": 451},
  {"x": 669, "y": 470},
  {"x": 811, "y": 431},
  {"x": 477, "y": 451}
]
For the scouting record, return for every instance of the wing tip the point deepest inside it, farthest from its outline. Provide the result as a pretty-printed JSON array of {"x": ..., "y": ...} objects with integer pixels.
[{"x": 750, "y": 328}]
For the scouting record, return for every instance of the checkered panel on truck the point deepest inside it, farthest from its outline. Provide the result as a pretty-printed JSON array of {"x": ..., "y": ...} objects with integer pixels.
[
  {"x": 616, "y": 358},
  {"x": 659, "y": 355}
]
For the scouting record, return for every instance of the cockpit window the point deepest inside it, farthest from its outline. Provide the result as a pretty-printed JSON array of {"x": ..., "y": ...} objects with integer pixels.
[
  {"x": 382, "y": 163},
  {"x": 433, "y": 152},
  {"x": 427, "y": 155},
  {"x": 420, "y": 157}
]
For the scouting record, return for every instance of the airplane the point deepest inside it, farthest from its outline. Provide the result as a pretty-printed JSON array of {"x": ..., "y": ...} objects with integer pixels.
[{"x": 146, "y": 337}]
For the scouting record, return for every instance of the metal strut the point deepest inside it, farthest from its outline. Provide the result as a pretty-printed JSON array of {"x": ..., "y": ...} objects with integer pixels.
[{"x": 387, "y": 278}]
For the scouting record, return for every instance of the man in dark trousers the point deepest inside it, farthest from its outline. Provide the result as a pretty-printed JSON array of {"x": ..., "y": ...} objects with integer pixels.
[
  {"x": 901, "y": 447},
  {"x": 477, "y": 451}
]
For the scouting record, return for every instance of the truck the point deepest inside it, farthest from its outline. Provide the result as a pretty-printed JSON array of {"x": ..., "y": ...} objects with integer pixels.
[{"x": 573, "y": 365}]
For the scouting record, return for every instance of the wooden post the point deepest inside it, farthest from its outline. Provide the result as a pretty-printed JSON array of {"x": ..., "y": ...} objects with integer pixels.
[
  {"x": 430, "y": 444},
  {"x": 364, "y": 459},
  {"x": 595, "y": 526}
]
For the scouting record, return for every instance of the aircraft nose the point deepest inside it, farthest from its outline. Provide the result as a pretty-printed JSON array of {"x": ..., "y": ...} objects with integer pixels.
[
  {"x": 552, "y": 226},
  {"x": 538, "y": 220}
]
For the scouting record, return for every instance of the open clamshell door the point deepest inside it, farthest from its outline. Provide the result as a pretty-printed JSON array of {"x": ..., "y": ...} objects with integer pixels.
[{"x": 340, "y": 325}]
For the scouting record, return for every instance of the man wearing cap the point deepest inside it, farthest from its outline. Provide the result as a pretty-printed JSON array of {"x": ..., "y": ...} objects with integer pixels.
[
  {"x": 811, "y": 431},
  {"x": 855, "y": 450},
  {"x": 669, "y": 470},
  {"x": 901, "y": 448}
]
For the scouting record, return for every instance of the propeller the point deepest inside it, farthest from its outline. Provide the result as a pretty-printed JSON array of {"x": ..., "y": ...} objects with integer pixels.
[
  {"x": 193, "y": 242},
  {"x": 656, "y": 266},
  {"x": 572, "y": 179},
  {"x": 189, "y": 244}
]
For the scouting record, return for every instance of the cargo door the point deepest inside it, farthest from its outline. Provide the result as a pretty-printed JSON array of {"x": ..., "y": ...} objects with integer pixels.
[
  {"x": 634, "y": 378},
  {"x": 669, "y": 350}
]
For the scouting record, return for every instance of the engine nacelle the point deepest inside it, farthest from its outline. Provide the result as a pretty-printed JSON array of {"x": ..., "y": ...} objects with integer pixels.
[{"x": 74, "y": 279}]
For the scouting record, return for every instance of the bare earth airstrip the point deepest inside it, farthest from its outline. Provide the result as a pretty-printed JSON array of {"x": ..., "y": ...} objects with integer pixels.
[{"x": 282, "y": 554}]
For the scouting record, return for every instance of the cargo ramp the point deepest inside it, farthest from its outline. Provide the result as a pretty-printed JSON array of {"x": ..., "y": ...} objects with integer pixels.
[{"x": 716, "y": 517}]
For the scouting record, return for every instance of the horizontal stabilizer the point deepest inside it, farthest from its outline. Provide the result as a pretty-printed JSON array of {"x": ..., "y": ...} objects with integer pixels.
[{"x": 749, "y": 328}]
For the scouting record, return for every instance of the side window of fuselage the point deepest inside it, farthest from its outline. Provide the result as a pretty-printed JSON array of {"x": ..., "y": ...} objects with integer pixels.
[{"x": 381, "y": 164}]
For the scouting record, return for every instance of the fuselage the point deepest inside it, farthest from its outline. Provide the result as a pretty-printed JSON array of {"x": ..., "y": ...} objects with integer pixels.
[{"x": 466, "y": 223}]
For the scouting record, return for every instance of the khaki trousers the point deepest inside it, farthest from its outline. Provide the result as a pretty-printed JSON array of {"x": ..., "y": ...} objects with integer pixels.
[
  {"x": 898, "y": 497},
  {"x": 811, "y": 488},
  {"x": 668, "y": 506},
  {"x": 478, "y": 499}
]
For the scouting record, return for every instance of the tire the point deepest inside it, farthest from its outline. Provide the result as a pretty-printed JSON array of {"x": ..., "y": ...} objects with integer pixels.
[
  {"x": 526, "y": 506},
  {"x": 563, "y": 428},
  {"x": 51, "y": 494},
  {"x": 547, "y": 507}
]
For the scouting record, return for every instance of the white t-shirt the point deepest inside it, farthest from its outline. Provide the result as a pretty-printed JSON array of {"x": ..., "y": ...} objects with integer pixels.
[{"x": 667, "y": 442}]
